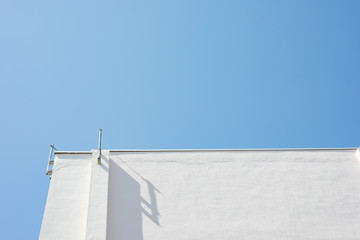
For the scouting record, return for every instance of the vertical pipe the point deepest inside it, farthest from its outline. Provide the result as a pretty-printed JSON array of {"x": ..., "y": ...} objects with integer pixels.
[
  {"x": 99, "y": 158},
  {"x": 51, "y": 151}
]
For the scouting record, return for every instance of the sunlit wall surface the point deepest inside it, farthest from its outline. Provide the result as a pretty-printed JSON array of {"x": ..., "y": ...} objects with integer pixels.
[{"x": 242, "y": 194}]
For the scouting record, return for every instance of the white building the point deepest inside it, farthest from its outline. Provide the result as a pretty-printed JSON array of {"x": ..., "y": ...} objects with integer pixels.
[{"x": 204, "y": 194}]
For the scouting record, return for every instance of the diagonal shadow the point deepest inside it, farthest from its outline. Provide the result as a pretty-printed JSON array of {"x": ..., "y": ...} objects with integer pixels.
[
  {"x": 154, "y": 214},
  {"x": 125, "y": 205}
]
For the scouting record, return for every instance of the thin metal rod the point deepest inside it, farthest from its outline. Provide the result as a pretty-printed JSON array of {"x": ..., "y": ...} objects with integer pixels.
[
  {"x": 234, "y": 150},
  {"x": 99, "y": 158},
  {"x": 48, "y": 171}
]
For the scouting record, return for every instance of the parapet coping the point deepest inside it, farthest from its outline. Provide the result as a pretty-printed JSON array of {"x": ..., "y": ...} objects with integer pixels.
[{"x": 212, "y": 150}]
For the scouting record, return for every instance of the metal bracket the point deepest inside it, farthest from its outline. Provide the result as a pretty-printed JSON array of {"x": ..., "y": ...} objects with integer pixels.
[
  {"x": 99, "y": 157},
  {"x": 51, "y": 161}
]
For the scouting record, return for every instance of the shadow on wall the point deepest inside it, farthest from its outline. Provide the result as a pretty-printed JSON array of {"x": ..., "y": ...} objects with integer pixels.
[{"x": 124, "y": 206}]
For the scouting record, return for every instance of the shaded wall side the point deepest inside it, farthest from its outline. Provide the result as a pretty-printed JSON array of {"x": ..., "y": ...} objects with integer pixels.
[
  {"x": 124, "y": 220},
  {"x": 67, "y": 203}
]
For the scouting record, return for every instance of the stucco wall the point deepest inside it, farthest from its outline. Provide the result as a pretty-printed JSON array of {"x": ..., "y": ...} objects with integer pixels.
[
  {"x": 234, "y": 195},
  {"x": 147, "y": 195},
  {"x": 68, "y": 198}
]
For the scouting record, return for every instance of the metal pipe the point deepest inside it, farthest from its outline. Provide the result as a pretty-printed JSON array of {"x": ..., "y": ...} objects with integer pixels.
[
  {"x": 99, "y": 158},
  {"x": 48, "y": 171},
  {"x": 233, "y": 150}
]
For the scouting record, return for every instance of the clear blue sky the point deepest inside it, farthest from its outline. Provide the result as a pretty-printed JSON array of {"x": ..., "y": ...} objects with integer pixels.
[{"x": 168, "y": 74}]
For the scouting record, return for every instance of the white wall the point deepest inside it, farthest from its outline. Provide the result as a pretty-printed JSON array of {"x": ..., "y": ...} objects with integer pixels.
[
  {"x": 234, "y": 195},
  {"x": 67, "y": 203},
  {"x": 208, "y": 195}
]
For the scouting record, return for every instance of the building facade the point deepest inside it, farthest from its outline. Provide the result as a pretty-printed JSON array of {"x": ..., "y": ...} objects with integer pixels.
[{"x": 204, "y": 194}]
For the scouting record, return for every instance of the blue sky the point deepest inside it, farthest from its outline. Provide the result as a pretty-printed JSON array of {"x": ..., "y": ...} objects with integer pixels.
[{"x": 168, "y": 74}]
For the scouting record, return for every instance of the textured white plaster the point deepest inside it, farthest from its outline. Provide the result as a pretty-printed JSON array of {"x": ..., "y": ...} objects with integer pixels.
[
  {"x": 304, "y": 194},
  {"x": 234, "y": 195},
  {"x": 98, "y": 197},
  {"x": 67, "y": 203}
]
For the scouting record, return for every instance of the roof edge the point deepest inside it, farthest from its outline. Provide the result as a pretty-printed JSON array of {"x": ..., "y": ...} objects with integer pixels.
[{"x": 213, "y": 150}]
